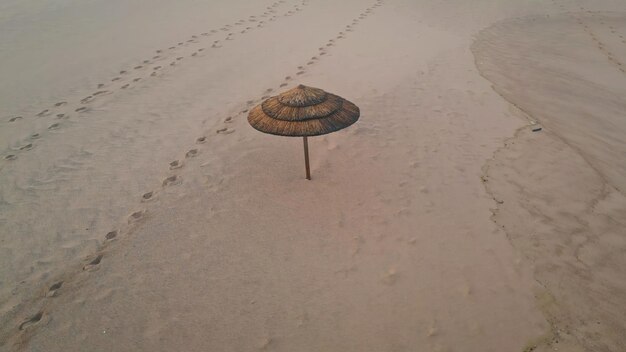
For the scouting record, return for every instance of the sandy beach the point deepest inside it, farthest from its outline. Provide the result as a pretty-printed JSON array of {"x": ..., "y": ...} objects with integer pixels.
[{"x": 477, "y": 205}]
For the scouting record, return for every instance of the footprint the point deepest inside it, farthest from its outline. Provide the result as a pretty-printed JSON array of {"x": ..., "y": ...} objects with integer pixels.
[
  {"x": 136, "y": 215},
  {"x": 123, "y": 72},
  {"x": 300, "y": 72},
  {"x": 13, "y": 119},
  {"x": 86, "y": 100},
  {"x": 52, "y": 290},
  {"x": 300, "y": 67},
  {"x": 194, "y": 54},
  {"x": 225, "y": 130},
  {"x": 153, "y": 74},
  {"x": 100, "y": 92},
  {"x": 35, "y": 136},
  {"x": 191, "y": 153},
  {"x": 176, "y": 164},
  {"x": 170, "y": 180},
  {"x": 229, "y": 119},
  {"x": 28, "y": 146},
  {"x": 94, "y": 263},
  {"x": 138, "y": 67},
  {"x": 179, "y": 58},
  {"x": 157, "y": 68},
  {"x": 137, "y": 79},
  {"x": 100, "y": 85},
  {"x": 201, "y": 140},
  {"x": 60, "y": 116},
  {"x": 110, "y": 235},
  {"x": 265, "y": 97},
  {"x": 61, "y": 103},
  {"x": 172, "y": 47},
  {"x": 116, "y": 79},
  {"x": 43, "y": 113},
  {"x": 287, "y": 78},
  {"x": 322, "y": 54},
  {"x": 31, "y": 321},
  {"x": 125, "y": 86},
  {"x": 283, "y": 84},
  {"x": 310, "y": 63},
  {"x": 10, "y": 157},
  {"x": 54, "y": 126},
  {"x": 201, "y": 49},
  {"x": 81, "y": 109},
  {"x": 268, "y": 90},
  {"x": 147, "y": 195},
  {"x": 158, "y": 51}
]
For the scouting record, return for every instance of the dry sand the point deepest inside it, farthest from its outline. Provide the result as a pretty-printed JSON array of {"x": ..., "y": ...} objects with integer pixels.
[{"x": 406, "y": 239}]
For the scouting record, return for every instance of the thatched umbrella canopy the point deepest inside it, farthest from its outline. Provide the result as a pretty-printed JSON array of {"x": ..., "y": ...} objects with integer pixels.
[{"x": 303, "y": 112}]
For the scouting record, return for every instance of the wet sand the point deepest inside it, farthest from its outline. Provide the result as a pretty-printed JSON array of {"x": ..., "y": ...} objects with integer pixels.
[{"x": 562, "y": 188}]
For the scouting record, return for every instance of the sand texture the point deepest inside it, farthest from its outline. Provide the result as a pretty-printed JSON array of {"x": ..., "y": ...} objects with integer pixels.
[
  {"x": 139, "y": 211},
  {"x": 563, "y": 190}
]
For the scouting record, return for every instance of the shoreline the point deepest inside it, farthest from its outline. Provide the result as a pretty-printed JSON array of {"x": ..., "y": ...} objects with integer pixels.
[
  {"x": 566, "y": 318},
  {"x": 554, "y": 201}
]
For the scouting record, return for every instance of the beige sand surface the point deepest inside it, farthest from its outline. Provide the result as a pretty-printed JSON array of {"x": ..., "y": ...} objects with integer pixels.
[
  {"x": 563, "y": 196},
  {"x": 221, "y": 244}
]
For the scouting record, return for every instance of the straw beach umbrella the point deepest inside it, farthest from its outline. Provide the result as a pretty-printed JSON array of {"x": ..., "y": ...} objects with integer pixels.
[{"x": 303, "y": 112}]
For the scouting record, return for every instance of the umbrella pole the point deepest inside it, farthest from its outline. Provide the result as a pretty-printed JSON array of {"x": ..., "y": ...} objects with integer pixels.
[{"x": 306, "y": 158}]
